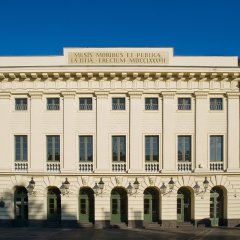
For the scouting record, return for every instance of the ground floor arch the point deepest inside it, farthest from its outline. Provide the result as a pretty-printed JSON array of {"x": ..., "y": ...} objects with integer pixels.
[
  {"x": 119, "y": 205},
  {"x": 184, "y": 205},
  {"x": 21, "y": 206},
  {"x": 217, "y": 206},
  {"x": 53, "y": 204},
  {"x": 86, "y": 205},
  {"x": 151, "y": 205}
]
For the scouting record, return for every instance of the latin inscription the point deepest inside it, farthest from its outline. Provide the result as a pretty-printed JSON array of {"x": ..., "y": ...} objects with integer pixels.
[{"x": 118, "y": 58}]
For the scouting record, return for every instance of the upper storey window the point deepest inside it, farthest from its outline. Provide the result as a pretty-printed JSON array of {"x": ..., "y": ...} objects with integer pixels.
[
  {"x": 151, "y": 148},
  {"x": 85, "y": 103},
  {"x": 216, "y": 148},
  {"x": 151, "y": 103},
  {"x": 86, "y": 148},
  {"x": 21, "y": 104},
  {"x": 216, "y": 104},
  {"x": 53, "y": 104},
  {"x": 184, "y": 103},
  {"x": 118, "y": 103}
]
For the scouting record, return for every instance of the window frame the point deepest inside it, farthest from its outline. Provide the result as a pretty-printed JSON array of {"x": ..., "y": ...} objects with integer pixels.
[
  {"x": 215, "y": 109},
  {"x": 55, "y": 104},
  {"x": 119, "y": 150},
  {"x": 222, "y": 150},
  {"x": 118, "y": 102},
  {"x": 24, "y": 104},
  {"x": 158, "y": 146},
  {"x": 183, "y": 104},
  {"x": 79, "y": 147},
  {"x": 184, "y": 151},
  {"x": 85, "y": 104},
  {"x": 21, "y": 143},
  {"x": 54, "y": 159},
  {"x": 151, "y": 104}
]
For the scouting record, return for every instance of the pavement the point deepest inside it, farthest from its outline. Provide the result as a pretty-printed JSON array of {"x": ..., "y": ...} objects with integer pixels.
[{"x": 118, "y": 234}]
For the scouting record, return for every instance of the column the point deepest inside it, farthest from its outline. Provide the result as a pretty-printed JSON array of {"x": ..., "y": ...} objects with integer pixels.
[
  {"x": 232, "y": 132},
  {"x": 103, "y": 162},
  {"x": 136, "y": 163},
  {"x": 36, "y": 141},
  {"x": 201, "y": 131},
  {"x": 169, "y": 135},
  {"x": 69, "y": 138},
  {"x": 5, "y": 140}
]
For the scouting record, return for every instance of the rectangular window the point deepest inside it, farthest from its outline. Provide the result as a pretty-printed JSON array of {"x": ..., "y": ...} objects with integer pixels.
[
  {"x": 53, "y": 148},
  {"x": 216, "y": 148},
  {"x": 184, "y": 149},
  {"x": 119, "y": 148},
  {"x": 21, "y": 104},
  {"x": 151, "y": 148},
  {"x": 216, "y": 104},
  {"x": 85, "y": 103},
  {"x": 53, "y": 104},
  {"x": 151, "y": 103},
  {"x": 21, "y": 148},
  {"x": 184, "y": 103},
  {"x": 118, "y": 103},
  {"x": 85, "y": 148}
]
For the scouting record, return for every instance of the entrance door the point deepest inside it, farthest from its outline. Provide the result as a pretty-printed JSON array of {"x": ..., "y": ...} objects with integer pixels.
[
  {"x": 216, "y": 206},
  {"x": 21, "y": 206},
  {"x": 151, "y": 205},
  {"x": 119, "y": 205},
  {"x": 86, "y": 205},
  {"x": 54, "y": 205},
  {"x": 184, "y": 205}
]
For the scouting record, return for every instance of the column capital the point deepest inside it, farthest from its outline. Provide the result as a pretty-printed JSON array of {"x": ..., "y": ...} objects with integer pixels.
[
  {"x": 233, "y": 95},
  {"x": 5, "y": 95},
  {"x": 101, "y": 94},
  {"x": 201, "y": 95},
  {"x": 168, "y": 95},
  {"x": 68, "y": 94},
  {"x": 135, "y": 94}
]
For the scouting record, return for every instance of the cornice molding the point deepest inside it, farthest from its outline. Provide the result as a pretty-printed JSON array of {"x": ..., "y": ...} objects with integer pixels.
[
  {"x": 231, "y": 95},
  {"x": 36, "y": 95},
  {"x": 5, "y": 95},
  {"x": 68, "y": 94},
  {"x": 168, "y": 95}
]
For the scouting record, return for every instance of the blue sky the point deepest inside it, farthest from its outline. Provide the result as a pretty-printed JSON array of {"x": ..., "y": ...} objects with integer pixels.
[{"x": 191, "y": 27}]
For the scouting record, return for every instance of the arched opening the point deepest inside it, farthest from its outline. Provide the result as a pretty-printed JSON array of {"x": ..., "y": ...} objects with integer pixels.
[
  {"x": 21, "y": 206},
  {"x": 86, "y": 205},
  {"x": 54, "y": 204},
  {"x": 119, "y": 205},
  {"x": 184, "y": 205},
  {"x": 151, "y": 205},
  {"x": 216, "y": 206}
]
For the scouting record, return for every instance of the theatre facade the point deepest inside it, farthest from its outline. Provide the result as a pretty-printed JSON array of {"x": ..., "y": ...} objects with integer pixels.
[{"x": 126, "y": 137}]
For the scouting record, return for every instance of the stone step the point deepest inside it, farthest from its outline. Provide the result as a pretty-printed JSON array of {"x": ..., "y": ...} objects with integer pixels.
[
  {"x": 52, "y": 224},
  {"x": 120, "y": 225},
  {"x": 85, "y": 224},
  {"x": 185, "y": 224},
  {"x": 152, "y": 225}
]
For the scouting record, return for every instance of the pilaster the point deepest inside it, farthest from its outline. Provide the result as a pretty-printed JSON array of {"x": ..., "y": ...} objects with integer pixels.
[
  {"x": 37, "y": 159},
  {"x": 5, "y": 140},
  {"x": 135, "y": 134},
  {"x": 102, "y": 145},
  {"x": 169, "y": 145},
  {"x": 201, "y": 134},
  {"x": 233, "y": 132},
  {"x": 69, "y": 138}
]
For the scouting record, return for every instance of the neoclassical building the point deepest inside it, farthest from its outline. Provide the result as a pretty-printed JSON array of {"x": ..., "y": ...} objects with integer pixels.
[{"x": 132, "y": 137}]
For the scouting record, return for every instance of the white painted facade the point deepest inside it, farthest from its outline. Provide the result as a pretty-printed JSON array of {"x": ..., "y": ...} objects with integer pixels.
[{"x": 197, "y": 78}]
